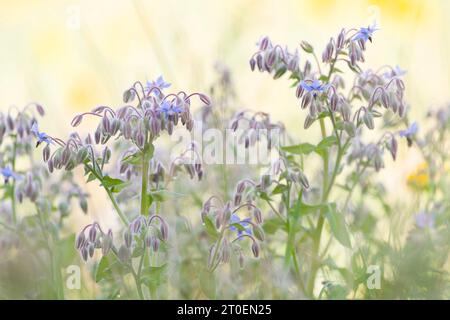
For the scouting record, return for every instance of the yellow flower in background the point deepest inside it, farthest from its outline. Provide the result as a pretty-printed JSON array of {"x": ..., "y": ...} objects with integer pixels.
[
  {"x": 419, "y": 178},
  {"x": 85, "y": 91}
]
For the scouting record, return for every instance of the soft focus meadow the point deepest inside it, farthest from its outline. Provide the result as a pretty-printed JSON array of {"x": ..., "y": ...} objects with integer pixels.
[{"x": 102, "y": 198}]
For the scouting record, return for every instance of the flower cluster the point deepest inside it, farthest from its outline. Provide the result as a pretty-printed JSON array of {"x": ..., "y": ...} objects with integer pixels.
[
  {"x": 255, "y": 125},
  {"x": 141, "y": 234},
  {"x": 224, "y": 222}
]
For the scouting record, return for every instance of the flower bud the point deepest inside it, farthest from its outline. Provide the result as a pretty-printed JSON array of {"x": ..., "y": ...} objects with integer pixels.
[
  {"x": 255, "y": 249},
  {"x": 77, "y": 120},
  {"x": 106, "y": 124},
  {"x": 264, "y": 44},
  {"x": 10, "y": 123},
  {"x": 128, "y": 238},
  {"x": 84, "y": 253},
  {"x": 368, "y": 120},
  {"x": 340, "y": 40},
  {"x": 205, "y": 99},
  {"x": 164, "y": 230},
  {"x": 306, "y": 47},
  {"x": 303, "y": 180},
  {"x": 80, "y": 240},
  {"x": 258, "y": 232},
  {"x": 252, "y": 64},
  {"x": 136, "y": 225},
  {"x": 155, "y": 244},
  {"x": 93, "y": 233},
  {"x": 393, "y": 147},
  {"x": 299, "y": 91},
  {"x": 345, "y": 111},
  {"x": 148, "y": 241},
  {"x": 350, "y": 128},
  {"x": 258, "y": 216},
  {"x": 306, "y": 100},
  {"x": 124, "y": 254},
  {"x": 46, "y": 153},
  {"x": 128, "y": 95},
  {"x": 334, "y": 102},
  {"x": 91, "y": 248},
  {"x": 308, "y": 121},
  {"x": 107, "y": 243},
  {"x": 40, "y": 110},
  {"x": 50, "y": 165}
]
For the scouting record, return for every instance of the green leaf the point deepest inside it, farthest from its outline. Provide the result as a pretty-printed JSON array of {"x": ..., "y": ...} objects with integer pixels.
[
  {"x": 280, "y": 188},
  {"x": 134, "y": 159},
  {"x": 210, "y": 228},
  {"x": 271, "y": 226},
  {"x": 103, "y": 270},
  {"x": 154, "y": 276},
  {"x": 108, "y": 182},
  {"x": 116, "y": 185},
  {"x": 303, "y": 148},
  {"x": 238, "y": 226},
  {"x": 91, "y": 177},
  {"x": 338, "y": 226},
  {"x": 208, "y": 283},
  {"x": 327, "y": 142}
]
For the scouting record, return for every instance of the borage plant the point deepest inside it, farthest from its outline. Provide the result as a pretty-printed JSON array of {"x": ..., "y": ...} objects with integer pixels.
[
  {"x": 343, "y": 113},
  {"x": 134, "y": 129},
  {"x": 43, "y": 247}
]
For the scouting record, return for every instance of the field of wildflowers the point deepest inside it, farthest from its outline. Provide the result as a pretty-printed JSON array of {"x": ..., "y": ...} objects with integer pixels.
[{"x": 173, "y": 193}]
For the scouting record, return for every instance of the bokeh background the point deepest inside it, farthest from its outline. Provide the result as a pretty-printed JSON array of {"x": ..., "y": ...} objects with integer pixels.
[{"x": 73, "y": 55}]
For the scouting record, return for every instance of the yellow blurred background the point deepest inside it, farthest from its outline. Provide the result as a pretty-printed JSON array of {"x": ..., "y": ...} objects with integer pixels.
[{"x": 73, "y": 55}]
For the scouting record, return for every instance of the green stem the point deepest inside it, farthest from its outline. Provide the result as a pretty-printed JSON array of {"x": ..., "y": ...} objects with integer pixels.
[
  {"x": 315, "y": 264},
  {"x": 216, "y": 250},
  {"x": 13, "y": 186},
  {"x": 146, "y": 156},
  {"x": 54, "y": 259},
  {"x": 110, "y": 195}
]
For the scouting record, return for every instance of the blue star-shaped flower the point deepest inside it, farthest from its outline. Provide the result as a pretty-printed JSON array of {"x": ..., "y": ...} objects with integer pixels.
[
  {"x": 410, "y": 131},
  {"x": 244, "y": 223},
  {"x": 365, "y": 34},
  {"x": 7, "y": 173},
  {"x": 314, "y": 87},
  {"x": 40, "y": 136},
  {"x": 168, "y": 109},
  {"x": 158, "y": 83}
]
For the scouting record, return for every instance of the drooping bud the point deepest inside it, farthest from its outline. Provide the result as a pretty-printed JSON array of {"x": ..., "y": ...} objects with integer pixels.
[
  {"x": 128, "y": 238},
  {"x": 164, "y": 229},
  {"x": 93, "y": 233},
  {"x": 81, "y": 238},
  {"x": 258, "y": 216},
  {"x": 306, "y": 46},
  {"x": 255, "y": 249},
  {"x": 107, "y": 243},
  {"x": 46, "y": 153},
  {"x": 124, "y": 254},
  {"x": 368, "y": 120},
  {"x": 258, "y": 232}
]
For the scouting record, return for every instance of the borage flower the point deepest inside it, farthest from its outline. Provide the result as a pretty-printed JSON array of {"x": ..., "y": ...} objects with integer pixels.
[
  {"x": 315, "y": 87},
  {"x": 40, "y": 136},
  {"x": 245, "y": 223},
  {"x": 7, "y": 174},
  {"x": 158, "y": 83},
  {"x": 365, "y": 34},
  {"x": 409, "y": 132},
  {"x": 169, "y": 109}
]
